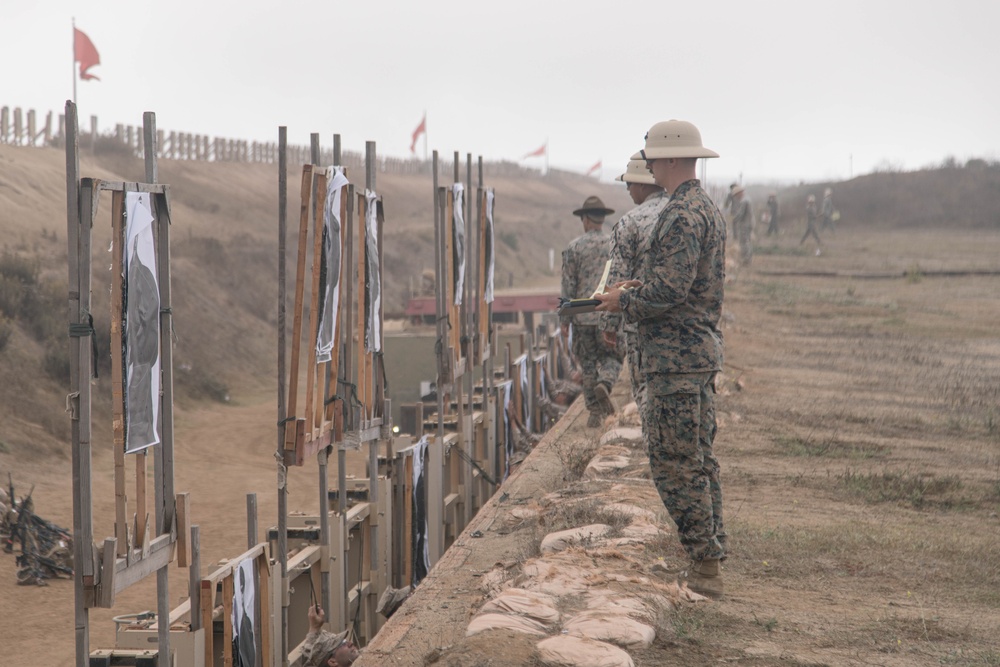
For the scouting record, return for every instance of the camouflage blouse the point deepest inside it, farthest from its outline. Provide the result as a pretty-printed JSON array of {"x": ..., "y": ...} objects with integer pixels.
[{"x": 678, "y": 306}]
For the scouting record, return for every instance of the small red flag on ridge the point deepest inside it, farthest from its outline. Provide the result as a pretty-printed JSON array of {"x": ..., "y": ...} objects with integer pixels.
[
  {"x": 421, "y": 129},
  {"x": 596, "y": 166},
  {"x": 538, "y": 151},
  {"x": 85, "y": 53}
]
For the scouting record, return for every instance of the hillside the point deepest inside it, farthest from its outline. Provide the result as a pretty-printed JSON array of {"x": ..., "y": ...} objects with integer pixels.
[
  {"x": 224, "y": 252},
  {"x": 224, "y": 268}
]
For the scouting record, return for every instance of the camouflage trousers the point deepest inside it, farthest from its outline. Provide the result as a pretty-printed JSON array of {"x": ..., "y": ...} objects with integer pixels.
[
  {"x": 745, "y": 237},
  {"x": 598, "y": 362},
  {"x": 678, "y": 423},
  {"x": 633, "y": 357}
]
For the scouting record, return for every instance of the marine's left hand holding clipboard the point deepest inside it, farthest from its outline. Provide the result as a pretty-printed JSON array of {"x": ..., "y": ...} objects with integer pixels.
[{"x": 581, "y": 306}]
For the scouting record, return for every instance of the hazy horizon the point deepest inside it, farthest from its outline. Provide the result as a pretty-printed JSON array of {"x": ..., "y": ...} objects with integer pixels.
[{"x": 784, "y": 91}]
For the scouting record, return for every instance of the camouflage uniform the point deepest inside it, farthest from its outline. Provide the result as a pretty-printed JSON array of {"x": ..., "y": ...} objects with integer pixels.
[
  {"x": 629, "y": 239},
  {"x": 743, "y": 224},
  {"x": 772, "y": 209},
  {"x": 810, "y": 223},
  {"x": 677, "y": 310},
  {"x": 582, "y": 267},
  {"x": 827, "y": 212}
]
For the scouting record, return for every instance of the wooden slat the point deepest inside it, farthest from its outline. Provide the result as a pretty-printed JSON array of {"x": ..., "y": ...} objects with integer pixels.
[
  {"x": 406, "y": 519},
  {"x": 183, "y": 505},
  {"x": 484, "y": 315},
  {"x": 347, "y": 296},
  {"x": 264, "y": 596},
  {"x": 314, "y": 304},
  {"x": 227, "y": 620},
  {"x": 106, "y": 598},
  {"x": 118, "y": 186},
  {"x": 227, "y": 568},
  {"x": 449, "y": 254},
  {"x": 300, "y": 276},
  {"x": 160, "y": 555},
  {"x": 362, "y": 355},
  {"x": 117, "y": 372},
  {"x": 207, "y": 607},
  {"x": 141, "y": 516}
]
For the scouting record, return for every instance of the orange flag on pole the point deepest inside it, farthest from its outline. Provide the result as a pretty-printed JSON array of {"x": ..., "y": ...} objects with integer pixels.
[
  {"x": 538, "y": 152},
  {"x": 421, "y": 129},
  {"x": 596, "y": 167},
  {"x": 85, "y": 53}
]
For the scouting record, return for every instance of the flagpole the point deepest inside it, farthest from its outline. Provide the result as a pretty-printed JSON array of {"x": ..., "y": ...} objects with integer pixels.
[{"x": 74, "y": 60}]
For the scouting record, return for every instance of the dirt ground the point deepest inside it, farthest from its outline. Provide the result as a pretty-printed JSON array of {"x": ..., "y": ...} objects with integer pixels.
[{"x": 860, "y": 444}]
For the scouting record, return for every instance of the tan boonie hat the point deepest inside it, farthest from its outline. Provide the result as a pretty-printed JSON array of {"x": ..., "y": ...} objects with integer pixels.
[
  {"x": 673, "y": 138},
  {"x": 323, "y": 648},
  {"x": 636, "y": 172},
  {"x": 593, "y": 205},
  {"x": 737, "y": 190}
]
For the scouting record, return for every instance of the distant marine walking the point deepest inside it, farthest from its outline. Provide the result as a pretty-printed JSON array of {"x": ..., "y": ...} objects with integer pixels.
[
  {"x": 811, "y": 218},
  {"x": 743, "y": 224}
]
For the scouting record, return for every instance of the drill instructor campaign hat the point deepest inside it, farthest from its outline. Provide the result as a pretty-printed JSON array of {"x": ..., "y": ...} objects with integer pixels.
[
  {"x": 636, "y": 172},
  {"x": 593, "y": 205},
  {"x": 673, "y": 138}
]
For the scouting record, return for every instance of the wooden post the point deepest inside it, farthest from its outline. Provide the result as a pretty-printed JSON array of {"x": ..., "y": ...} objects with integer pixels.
[
  {"x": 300, "y": 273},
  {"x": 347, "y": 346},
  {"x": 282, "y": 410},
  {"x": 326, "y": 598},
  {"x": 435, "y": 456},
  {"x": 194, "y": 579},
  {"x": 319, "y": 184},
  {"x": 264, "y": 596},
  {"x": 227, "y": 620},
  {"x": 79, "y": 401},
  {"x": 251, "y": 520},
  {"x": 117, "y": 373},
  {"x": 163, "y": 454},
  {"x": 373, "y": 483}
]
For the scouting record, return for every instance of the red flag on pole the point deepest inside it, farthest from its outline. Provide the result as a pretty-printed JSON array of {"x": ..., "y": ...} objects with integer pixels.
[
  {"x": 538, "y": 151},
  {"x": 85, "y": 53},
  {"x": 596, "y": 167},
  {"x": 421, "y": 129}
]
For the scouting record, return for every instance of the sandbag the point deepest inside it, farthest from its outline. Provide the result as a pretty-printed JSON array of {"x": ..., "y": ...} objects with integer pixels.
[
  {"x": 626, "y": 434},
  {"x": 555, "y": 578},
  {"x": 631, "y": 511},
  {"x": 570, "y": 651},
  {"x": 564, "y": 539},
  {"x": 613, "y": 602},
  {"x": 642, "y": 530},
  {"x": 485, "y": 622},
  {"x": 604, "y": 465},
  {"x": 535, "y": 605},
  {"x": 610, "y": 626}
]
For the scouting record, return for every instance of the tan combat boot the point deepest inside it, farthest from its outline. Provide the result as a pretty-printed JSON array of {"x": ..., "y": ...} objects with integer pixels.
[
  {"x": 704, "y": 577},
  {"x": 603, "y": 396}
]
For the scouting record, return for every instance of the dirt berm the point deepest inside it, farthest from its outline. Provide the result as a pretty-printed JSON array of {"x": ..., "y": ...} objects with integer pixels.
[{"x": 570, "y": 555}]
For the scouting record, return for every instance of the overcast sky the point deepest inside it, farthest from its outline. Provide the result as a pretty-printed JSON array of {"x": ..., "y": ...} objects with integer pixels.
[{"x": 783, "y": 90}]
